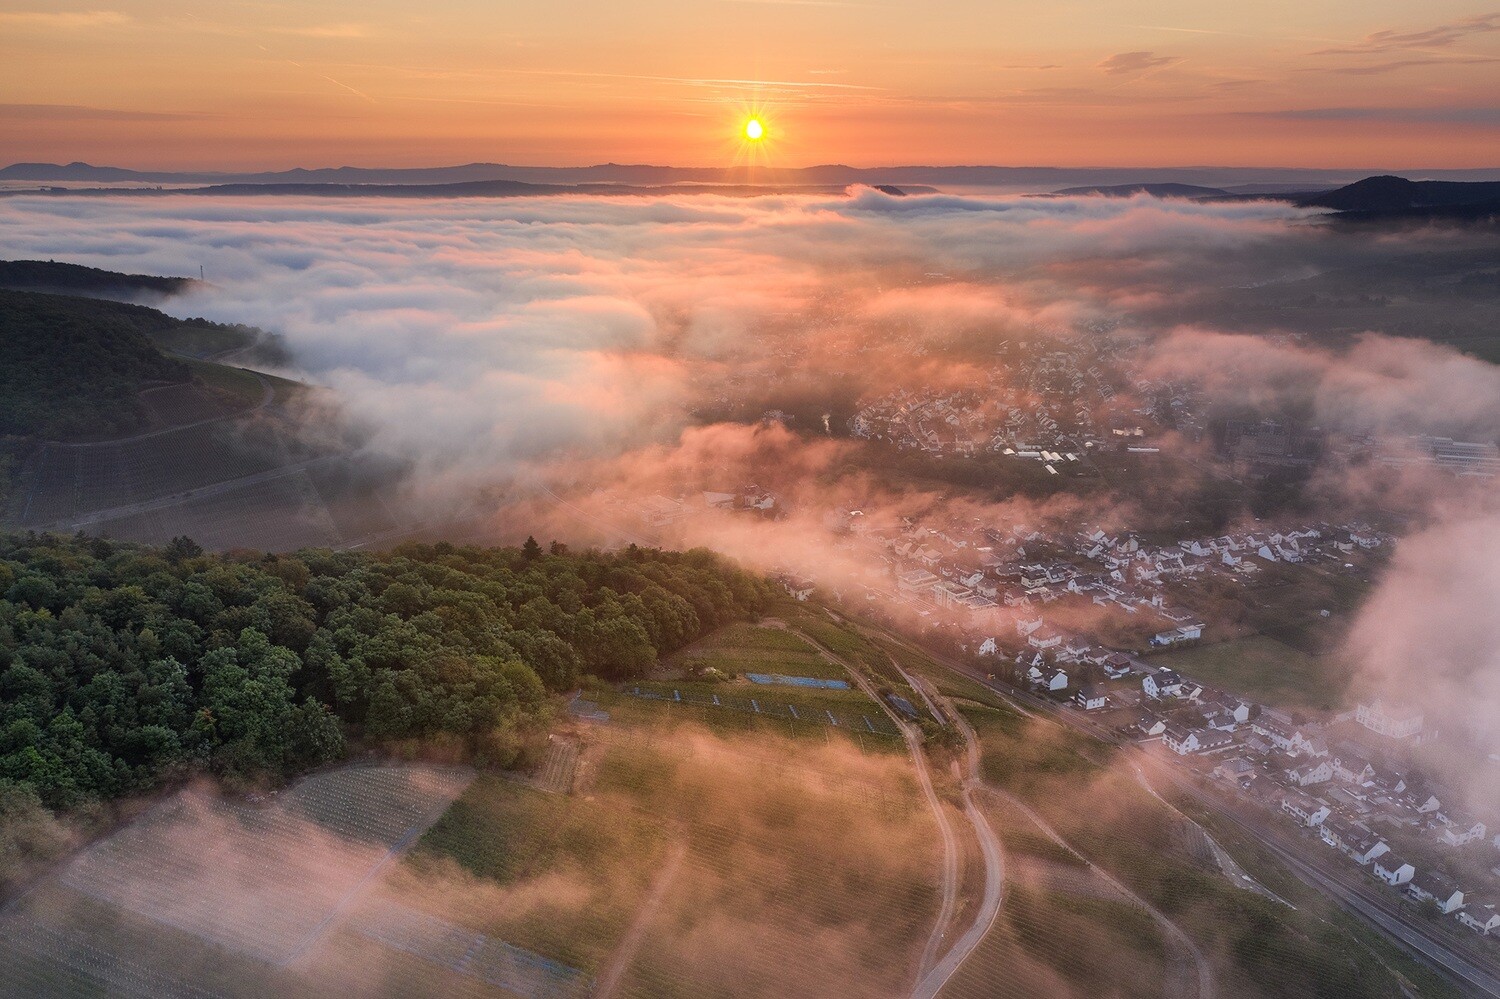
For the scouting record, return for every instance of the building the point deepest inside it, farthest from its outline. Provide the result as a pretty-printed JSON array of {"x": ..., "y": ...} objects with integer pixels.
[
  {"x": 916, "y": 583},
  {"x": 1392, "y": 721},
  {"x": 1308, "y": 811},
  {"x": 1480, "y": 916},
  {"x": 1393, "y": 870},
  {"x": 1163, "y": 683},
  {"x": 1091, "y": 697},
  {"x": 1044, "y": 638},
  {"x": 1439, "y": 889},
  {"x": 1459, "y": 830},
  {"x": 1306, "y": 774}
]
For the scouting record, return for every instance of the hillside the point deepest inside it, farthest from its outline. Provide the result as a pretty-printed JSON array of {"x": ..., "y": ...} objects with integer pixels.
[
  {"x": 75, "y": 279},
  {"x": 1397, "y": 194},
  {"x": 121, "y": 662},
  {"x": 75, "y": 367},
  {"x": 1155, "y": 190}
]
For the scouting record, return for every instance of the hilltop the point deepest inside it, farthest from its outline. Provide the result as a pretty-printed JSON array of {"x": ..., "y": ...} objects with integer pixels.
[{"x": 75, "y": 279}]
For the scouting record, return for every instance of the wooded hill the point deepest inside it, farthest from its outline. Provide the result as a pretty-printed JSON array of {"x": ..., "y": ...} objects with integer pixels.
[{"x": 122, "y": 663}]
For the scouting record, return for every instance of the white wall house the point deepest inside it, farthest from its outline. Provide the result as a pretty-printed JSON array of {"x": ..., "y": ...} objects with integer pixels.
[
  {"x": 1164, "y": 683},
  {"x": 1393, "y": 870}
]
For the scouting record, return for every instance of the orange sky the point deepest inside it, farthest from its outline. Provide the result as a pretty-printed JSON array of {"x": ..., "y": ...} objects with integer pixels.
[{"x": 243, "y": 84}]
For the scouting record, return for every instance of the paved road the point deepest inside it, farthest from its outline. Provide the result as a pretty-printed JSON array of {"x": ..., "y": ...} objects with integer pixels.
[
  {"x": 930, "y": 984},
  {"x": 1364, "y": 902},
  {"x": 913, "y": 738}
]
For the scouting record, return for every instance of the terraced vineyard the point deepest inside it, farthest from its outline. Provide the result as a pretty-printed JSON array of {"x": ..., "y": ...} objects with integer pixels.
[{"x": 262, "y": 884}]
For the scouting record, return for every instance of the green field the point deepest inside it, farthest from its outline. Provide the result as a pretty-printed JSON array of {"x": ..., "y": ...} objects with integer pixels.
[{"x": 1263, "y": 669}]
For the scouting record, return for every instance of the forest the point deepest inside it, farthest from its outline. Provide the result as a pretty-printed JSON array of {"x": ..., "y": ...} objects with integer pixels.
[
  {"x": 122, "y": 665},
  {"x": 72, "y": 367}
]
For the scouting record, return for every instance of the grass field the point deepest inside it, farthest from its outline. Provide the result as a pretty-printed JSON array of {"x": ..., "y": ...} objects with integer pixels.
[{"x": 1264, "y": 669}]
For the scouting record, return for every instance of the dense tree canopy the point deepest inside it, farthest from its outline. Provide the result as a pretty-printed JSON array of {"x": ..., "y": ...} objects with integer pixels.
[
  {"x": 119, "y": 663},
  {"x": 75, "y": 366}
]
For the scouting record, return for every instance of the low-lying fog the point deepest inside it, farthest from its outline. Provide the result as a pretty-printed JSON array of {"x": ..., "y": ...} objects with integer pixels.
[{"x": 634, "y": 343}]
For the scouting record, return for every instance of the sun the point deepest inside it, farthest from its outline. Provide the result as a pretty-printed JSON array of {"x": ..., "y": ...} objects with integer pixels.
[{"x": 754, "y": 130}]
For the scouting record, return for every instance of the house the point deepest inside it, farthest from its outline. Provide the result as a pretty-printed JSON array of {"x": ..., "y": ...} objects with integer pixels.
[
  {"x": 1234, "y": 769},
  {"x": 988, "y": 647},
  {"x": 1116, "y": 666},
  {"x": 1045, "y": 678},
  {"x": 799, "y": 589},
  {"x": 1182, "y": 740},
  {"x": 1307, "y": 810},
  {"x": 1393, "y": 721},
  {"x": 1091, "y": 697},
  {"x": 1044, "y": 638},
  {"x": 1354, "y": 840},
  {"x": 1352, "y": 769},
  {"x": 1163, "y": 683},
  {"x": 1026, "y": 625},
  {"x": 1393, "y": 870},
  {"x": 916, "y": 583},
  {"x": 1459, "y": 830},
  {"x": 1310, "y": 773},
  {"x": 1439, "y": 889},
  {"x": 1149, "y": 725},
  {"x": 1279, "y": 734},
  {"x": 1480, "y": 916}
]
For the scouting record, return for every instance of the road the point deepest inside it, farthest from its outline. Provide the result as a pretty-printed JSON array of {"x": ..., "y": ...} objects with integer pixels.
[
  {"x": 1364, "y": 901},
  {"x": 930, "y": 984},
  {"x": 994, "y": 872}
]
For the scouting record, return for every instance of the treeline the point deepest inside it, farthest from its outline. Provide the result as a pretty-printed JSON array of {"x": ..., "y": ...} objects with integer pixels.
[
  {"x": 120, "y": 663},
  {"x": 52, "y": 275},
  {"x": 74, "y": 367}
]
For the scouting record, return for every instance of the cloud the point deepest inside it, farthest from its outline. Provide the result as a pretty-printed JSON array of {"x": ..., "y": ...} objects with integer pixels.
[
  {"x": 1381, "y": 68},
  {"x": 1411, "y": 115},
  {"x": 77, "y": 112},
  {"x": 63, "y": 20},
  {"x": 1438, "y": 37},
  {"x": 1122, "y": 63}
]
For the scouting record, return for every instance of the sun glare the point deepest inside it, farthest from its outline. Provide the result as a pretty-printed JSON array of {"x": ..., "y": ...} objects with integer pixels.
[{"x": 754, "y": 130}]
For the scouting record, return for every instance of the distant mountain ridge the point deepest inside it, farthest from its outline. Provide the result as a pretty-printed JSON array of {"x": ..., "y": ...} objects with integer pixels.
[
  {"x": 1155, "y": 190},
  {"x": 1042, "y": 178},
  {"x": 1388, "y": 193}
]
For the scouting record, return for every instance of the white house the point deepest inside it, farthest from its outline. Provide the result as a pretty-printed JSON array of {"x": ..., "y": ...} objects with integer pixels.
[
  {"x": 1389, "y": 720},
  {"x": 1354, "y": 840},
  {"x": 1163, "y": 683},
  {"x": 1310, "y": 773},
  {"x": 1481, "y": 917},
  {"x": 1430, "y": 886},
  {"x": 988, "y": 647},
  {"x": 1306, "y": 810},
  {"x": 1091, "y": 697},
  {"x": 1047, "y": 679},
  {"x": 1459, "y": 830},
  {"x": 1183, "y": 741},
  {"x": 1026, "y": 625},
  {"x": 1281, "y": 735},
  {"x": 1179, "y": 740},
  {"x": 1393, "y": 870},
  {"x": 1044, "y": 638}
]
